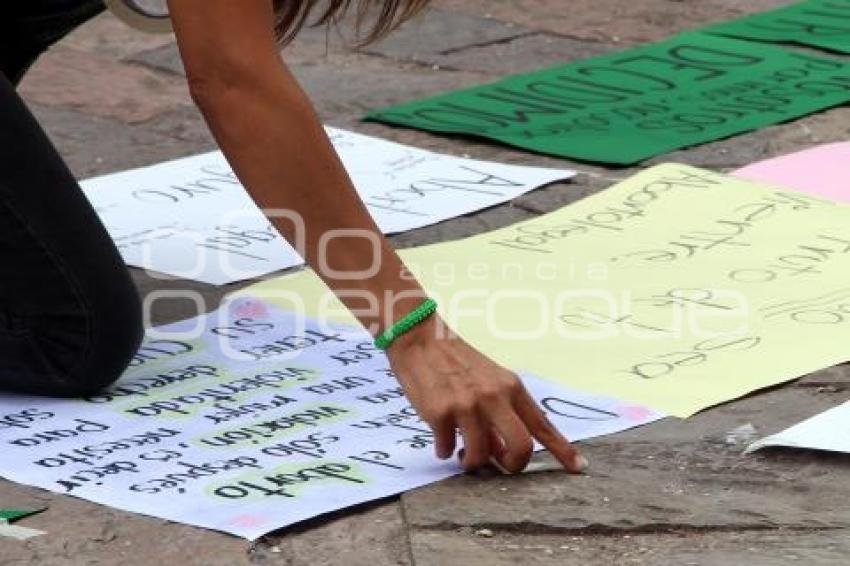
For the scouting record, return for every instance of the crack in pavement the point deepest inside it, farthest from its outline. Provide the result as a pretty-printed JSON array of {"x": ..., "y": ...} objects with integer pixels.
[
  {"x": 488, "y": 43},
  {"x": 597, "y": 530}
]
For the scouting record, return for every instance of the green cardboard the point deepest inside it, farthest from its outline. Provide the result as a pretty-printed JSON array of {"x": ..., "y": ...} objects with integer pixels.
[
  {"x": 624, "y": 107},
  {"x": 12, "y": 515},
  {"x": 817, "y": 23}
]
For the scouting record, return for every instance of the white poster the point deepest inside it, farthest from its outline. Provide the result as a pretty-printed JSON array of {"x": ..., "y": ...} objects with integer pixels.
[
  {"x": 248, "y": 420},
  {"x": 191, "y": 218},
  {"x": 828, "y": 431}
]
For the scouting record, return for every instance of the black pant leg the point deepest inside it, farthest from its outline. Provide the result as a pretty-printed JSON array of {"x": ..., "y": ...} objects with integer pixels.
[
  {"x": 70, "y": 316},
  {"x": 29, "y": 27}
]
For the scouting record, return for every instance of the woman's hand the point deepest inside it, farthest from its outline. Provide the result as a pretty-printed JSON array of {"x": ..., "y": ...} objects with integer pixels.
[{"x": 455, "y": 387}]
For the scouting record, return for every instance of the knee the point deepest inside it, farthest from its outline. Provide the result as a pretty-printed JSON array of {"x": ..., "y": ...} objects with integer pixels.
[
  {"x": 116, "y": 339},
  {"x": 115, "y": 333}
]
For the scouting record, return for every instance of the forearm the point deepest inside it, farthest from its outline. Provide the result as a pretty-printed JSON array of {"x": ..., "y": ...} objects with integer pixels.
[{"x": 278, "y": 148}]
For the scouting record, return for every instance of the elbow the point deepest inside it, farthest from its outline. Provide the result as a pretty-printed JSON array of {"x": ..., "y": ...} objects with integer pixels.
[
  {"x": 208, "y": 89},
  {"x": 224, "y": 89},
  {"x": 214, "y": 77},
  {"x": 222, "y": 92},
  {"x": 228, "y": 86}
]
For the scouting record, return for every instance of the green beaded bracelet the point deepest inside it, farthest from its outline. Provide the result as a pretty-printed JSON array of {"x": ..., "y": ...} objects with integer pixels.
[{"x": 406, "y": 324}]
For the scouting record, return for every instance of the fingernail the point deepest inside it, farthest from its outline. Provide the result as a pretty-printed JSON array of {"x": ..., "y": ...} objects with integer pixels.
[{"x": 581, "y": 463}]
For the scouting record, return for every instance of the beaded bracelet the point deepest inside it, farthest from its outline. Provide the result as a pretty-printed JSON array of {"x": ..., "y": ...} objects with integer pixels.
[{"x": 406, "y": 324}]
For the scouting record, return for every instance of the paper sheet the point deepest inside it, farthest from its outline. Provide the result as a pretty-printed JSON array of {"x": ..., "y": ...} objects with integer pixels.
[
  {"x": 627, "y": 106},
  {"x": 678, "y": 288},
  {"x": 828, "y": 431},
  {"x": 816, "y": 23},
  {"x": 9, "y": 516},
  {"x": 7, "y": 530},
  {"x": 820, "y": 170},
  {"x": 191, "y": 218},
  {"x": 248, "y": 420}
]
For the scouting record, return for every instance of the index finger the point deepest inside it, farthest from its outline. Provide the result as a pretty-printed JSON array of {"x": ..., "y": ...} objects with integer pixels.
[{"x": 545, "y": 432}]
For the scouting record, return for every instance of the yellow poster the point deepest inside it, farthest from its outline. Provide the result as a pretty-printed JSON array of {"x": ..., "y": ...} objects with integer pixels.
[{"x": 678, "y": 288}]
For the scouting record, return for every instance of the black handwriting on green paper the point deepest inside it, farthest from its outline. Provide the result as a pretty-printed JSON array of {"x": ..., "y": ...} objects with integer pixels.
[
  {"x": 627, "y": 106},
  {"x": 817, "y": 23}
]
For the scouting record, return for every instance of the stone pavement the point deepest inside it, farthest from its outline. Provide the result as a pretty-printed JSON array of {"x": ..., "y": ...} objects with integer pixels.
[{"x": 673, "y": 493}]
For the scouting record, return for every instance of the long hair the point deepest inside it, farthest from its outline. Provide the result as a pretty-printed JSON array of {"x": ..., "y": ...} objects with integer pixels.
[{"x": 374, "y": 19}]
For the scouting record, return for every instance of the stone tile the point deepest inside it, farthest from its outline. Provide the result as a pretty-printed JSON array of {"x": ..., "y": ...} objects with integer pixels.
[
  {"x": 106, "y": 35},
  {"x": 824, "y": 127},
  {"x": 441, "y": 32},
  {"x": 754, "y": 548},
  {"x": 734, "y": 152},
  {"x": 345, "y": 87},
  {"x": 164, "y": 58},
  {"x": 372, "y": 536},
  {"x": 519, "y": 55},
  {"x": 438, "y": 548},
  {"x": 460, "y": 146},
  {"x": 168, "y": 299},
  {"x": 313, "y": 46},
  {"x": 92, "y": 145},
  {"x": 729, "y": 153},
  {"x": 670, "y": 475},
  {"x": 349, "y": 92},
  {"x": 615, "y": 21},
  {"x": 100, "y": 86},
  {"x": 79, "y": 532}
]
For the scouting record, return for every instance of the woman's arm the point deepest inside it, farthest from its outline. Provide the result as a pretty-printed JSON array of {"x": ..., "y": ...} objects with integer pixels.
[{"x": 275, "y": 143}]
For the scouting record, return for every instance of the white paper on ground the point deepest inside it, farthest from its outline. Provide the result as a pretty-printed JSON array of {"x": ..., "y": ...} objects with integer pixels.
[
  {"x": 191, "y": 218},
  {"x": 248, "y": 420},
  {"x": 9, "y": 530},
  {"x": 829, "y": 431}
]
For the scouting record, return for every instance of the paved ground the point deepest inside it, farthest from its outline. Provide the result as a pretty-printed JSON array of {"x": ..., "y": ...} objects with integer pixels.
[{"x": 674, "y": 493}]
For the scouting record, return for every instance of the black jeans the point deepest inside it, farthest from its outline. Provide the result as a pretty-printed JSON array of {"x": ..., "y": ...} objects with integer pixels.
[{"x": 70, "y": 317}]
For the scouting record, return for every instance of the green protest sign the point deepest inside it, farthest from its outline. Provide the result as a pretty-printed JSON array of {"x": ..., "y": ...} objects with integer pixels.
[
  {"x": 12, "y": 515},
  {"x": 819, "y": 23},
  {"x": 627, "y": 106}
]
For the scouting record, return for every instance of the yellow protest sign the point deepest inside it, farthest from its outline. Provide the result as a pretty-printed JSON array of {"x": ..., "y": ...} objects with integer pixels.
[{"x": 678, "y": 288}]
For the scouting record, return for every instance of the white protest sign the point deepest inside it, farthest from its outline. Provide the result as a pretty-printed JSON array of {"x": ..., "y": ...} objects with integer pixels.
[
  {"x": 248, "y": 420},
  {"x": 828, "y": 431},
  {"x": 405, "y": 187},
  {"x": 191, "y": 218}
]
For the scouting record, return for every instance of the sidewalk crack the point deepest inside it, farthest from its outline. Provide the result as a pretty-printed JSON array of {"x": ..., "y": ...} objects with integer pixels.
[
  {"x": 407, "y": 528},
  {"x": 488, "y": 43},
  {"x": 540, "y": 529}
]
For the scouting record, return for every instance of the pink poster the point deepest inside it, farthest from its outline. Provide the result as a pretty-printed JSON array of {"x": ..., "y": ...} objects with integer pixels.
[{"x": 823, "y": 170}]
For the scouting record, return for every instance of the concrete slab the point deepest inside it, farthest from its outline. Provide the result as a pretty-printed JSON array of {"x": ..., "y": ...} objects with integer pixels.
[
  {"x": 672, "y": 475},
  {"x": 441, "y": 32},
  {"x": 98, "y": 85},
  {"x": 754, "y": 548},
  {"x": 615, "y": 21},
  {"x": 520, "y": 54}
]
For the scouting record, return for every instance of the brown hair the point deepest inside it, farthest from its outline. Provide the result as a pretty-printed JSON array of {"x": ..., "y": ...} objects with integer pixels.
[{"x": 384, "y": 16}]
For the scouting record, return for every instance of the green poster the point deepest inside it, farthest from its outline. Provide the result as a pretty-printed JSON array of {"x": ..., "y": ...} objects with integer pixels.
[
  {"x": 627, "y": 106},
  {"x": 818, "y": 23},
  {"x": 12, "y": 515}
]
